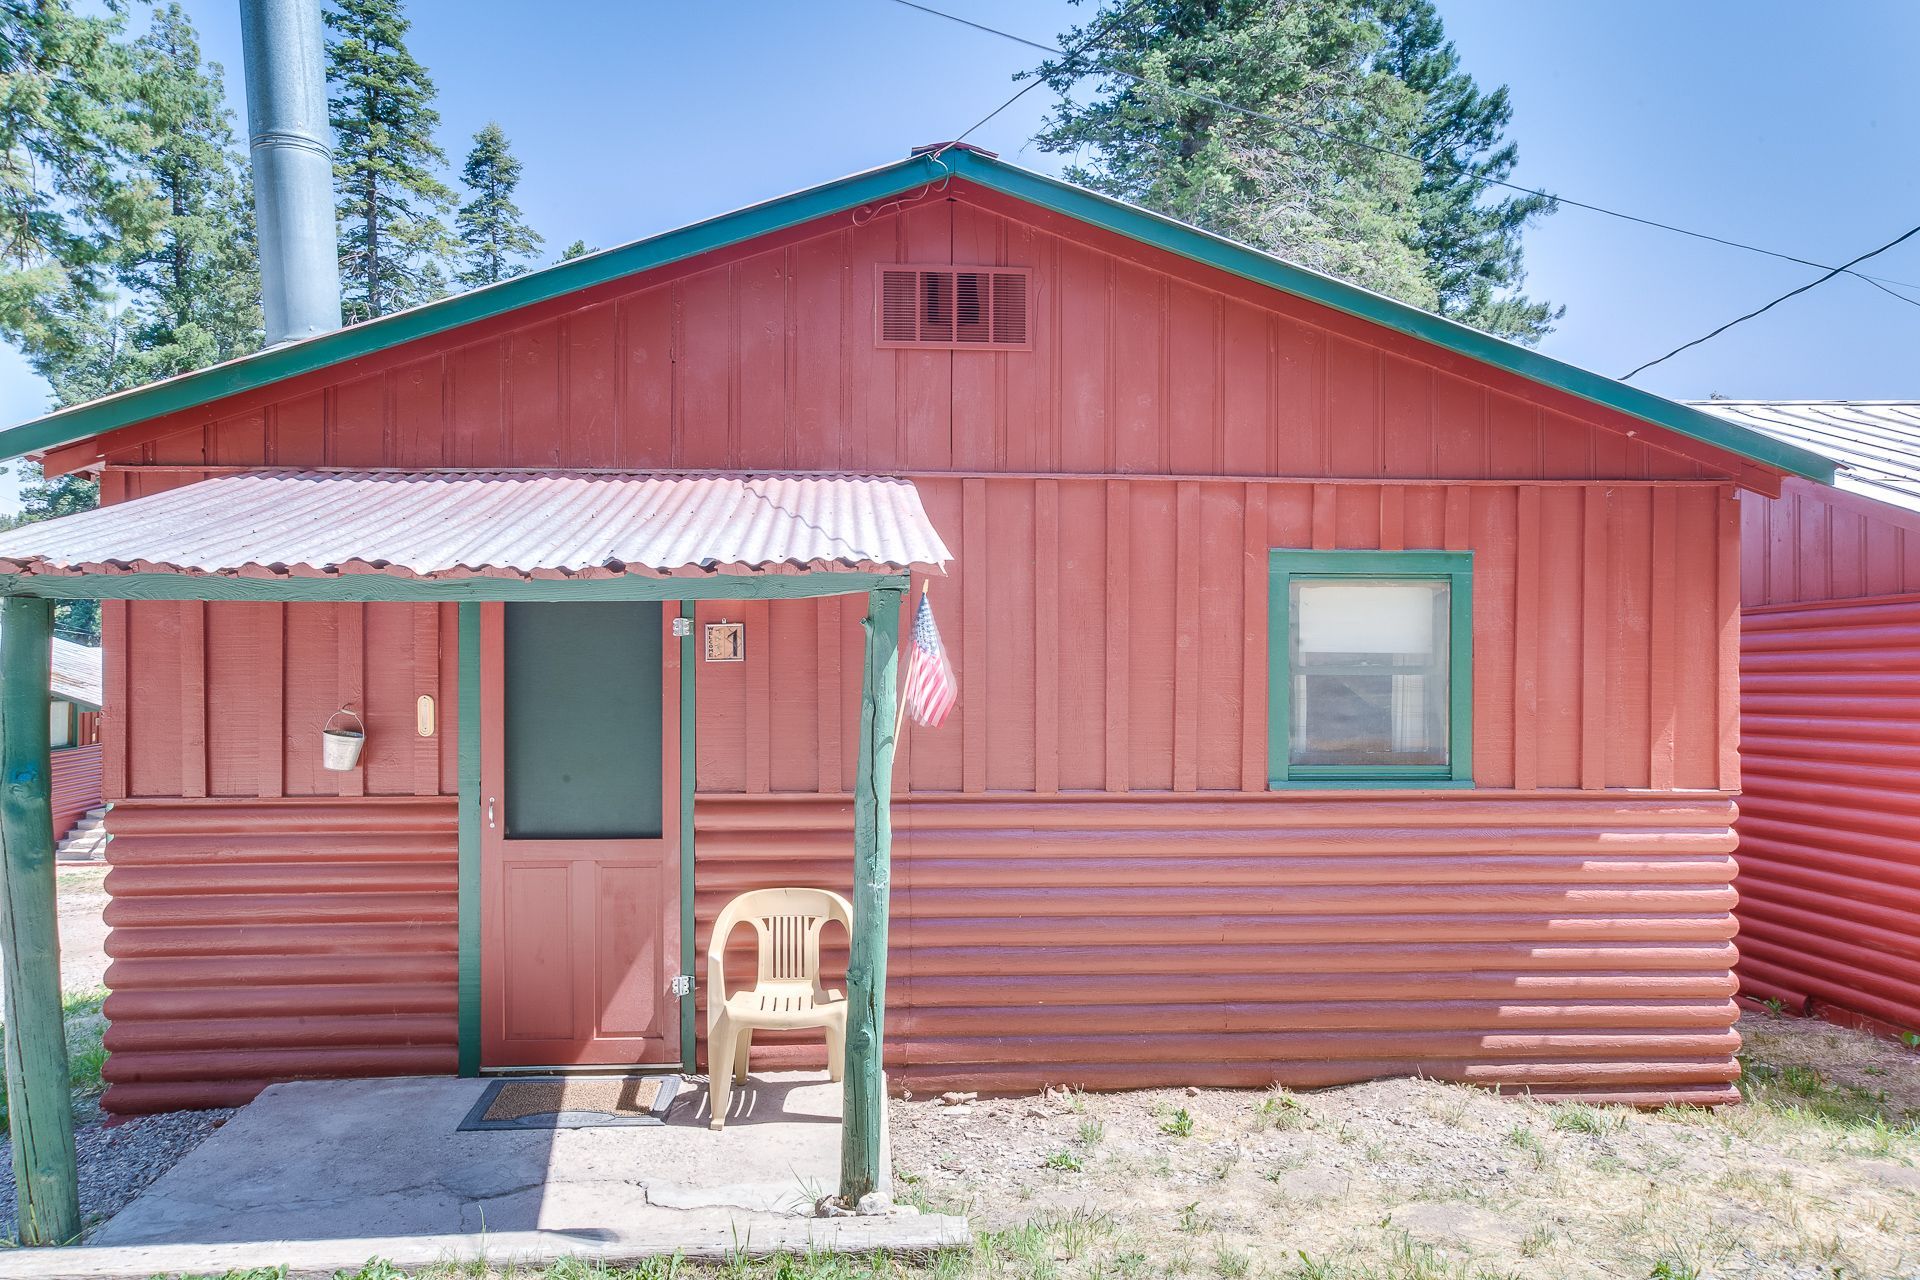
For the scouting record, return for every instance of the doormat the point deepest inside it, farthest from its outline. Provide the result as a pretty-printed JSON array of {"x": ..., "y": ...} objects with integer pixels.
[{"x": 572, "y": 1102}]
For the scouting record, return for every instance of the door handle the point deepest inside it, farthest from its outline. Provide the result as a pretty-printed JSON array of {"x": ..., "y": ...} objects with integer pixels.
[{"x": 490, "y": 822}]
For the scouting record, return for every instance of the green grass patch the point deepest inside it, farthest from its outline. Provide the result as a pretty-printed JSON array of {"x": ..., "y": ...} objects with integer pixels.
[
  {"x": 1800, "y": 1091},
  {"x": 86, "y": 1056}
]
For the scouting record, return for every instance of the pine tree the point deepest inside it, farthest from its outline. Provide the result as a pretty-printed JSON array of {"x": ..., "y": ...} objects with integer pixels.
[
  {"x": 393, "y": 237},
  {"x": 1347, "y": 210},
  {"x": 578, "y": 249},
  {"x": 1371, "y": 167},
  {"x": 1471, "y": 243},
  {"x": 195, "y": 287},
  {"x": 66, "y": 202},
  {"x": 180, "y": 296},
  {"x": 495, "y": 240}
]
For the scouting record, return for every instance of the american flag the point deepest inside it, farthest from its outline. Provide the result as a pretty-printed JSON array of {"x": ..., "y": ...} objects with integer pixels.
[{"x": 931, "y": 687}]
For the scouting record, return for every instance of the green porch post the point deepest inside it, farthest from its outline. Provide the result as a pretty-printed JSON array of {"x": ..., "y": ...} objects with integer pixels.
[
  {"x": 39, "y": 1111},
  {"x": 865, "y": 1095}
]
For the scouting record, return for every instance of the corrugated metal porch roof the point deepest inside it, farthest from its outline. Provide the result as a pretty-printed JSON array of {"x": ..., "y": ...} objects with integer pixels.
[
  {"x": 494, "y": 524},
  {"x": 1875, "y": 442}
]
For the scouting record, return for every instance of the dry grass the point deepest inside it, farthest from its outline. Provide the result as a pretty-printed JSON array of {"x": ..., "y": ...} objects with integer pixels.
[{"x": 1413, "y": 1180}]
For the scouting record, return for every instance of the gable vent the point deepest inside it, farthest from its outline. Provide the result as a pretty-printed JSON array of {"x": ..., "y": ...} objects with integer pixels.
[{"x": 952, "y": 307}]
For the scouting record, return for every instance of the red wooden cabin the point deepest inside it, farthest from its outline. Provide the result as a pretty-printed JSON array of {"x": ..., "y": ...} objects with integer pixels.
[
  {"x": 1830, "y": 823},
  {"x": 1344, "y": 692}
]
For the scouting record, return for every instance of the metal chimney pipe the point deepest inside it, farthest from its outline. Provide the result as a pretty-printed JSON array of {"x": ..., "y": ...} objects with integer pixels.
[{"x": 292, "y": 167}]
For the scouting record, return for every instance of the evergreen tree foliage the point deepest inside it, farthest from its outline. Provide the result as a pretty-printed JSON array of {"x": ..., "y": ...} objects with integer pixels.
[
  {"x": 392, "y": 206},
  {"x": 578, "y": 249},
  {"x": 495, "y": 240},
  {"x": 180, "y": 294},
  {"x": 1376, "y": 172},
  {"x": 1469, "y": 231},
  {"x": 195, "y": 286},
  {"x": 66, "y": 202}
]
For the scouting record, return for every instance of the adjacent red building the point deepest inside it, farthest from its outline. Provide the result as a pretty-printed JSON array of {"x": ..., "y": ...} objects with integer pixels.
[
  {"x": 1344, "y": 692},
  {"x": 1830, "y": 820}
]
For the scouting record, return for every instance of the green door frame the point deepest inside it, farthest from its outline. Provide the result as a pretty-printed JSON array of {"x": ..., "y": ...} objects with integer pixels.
[{"x": 36, "y": 1059}]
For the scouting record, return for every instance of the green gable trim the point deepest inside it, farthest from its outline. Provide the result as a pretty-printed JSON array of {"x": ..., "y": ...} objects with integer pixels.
[
  {"x": 1284, "y": 565},
  {"x": 260, "y": 370}
]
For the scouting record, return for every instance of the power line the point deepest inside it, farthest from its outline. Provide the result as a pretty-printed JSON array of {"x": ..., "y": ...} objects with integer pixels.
[
  {"x": 1297, "y": 125},
  {"x": 1791, "y": 293},
  {"x": 1117, "y": 17}
]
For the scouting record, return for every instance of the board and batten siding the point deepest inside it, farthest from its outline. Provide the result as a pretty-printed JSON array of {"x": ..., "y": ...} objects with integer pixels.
[
  {"x": 1830, "y": 820},
  {"x": 1095, "y": 810}
]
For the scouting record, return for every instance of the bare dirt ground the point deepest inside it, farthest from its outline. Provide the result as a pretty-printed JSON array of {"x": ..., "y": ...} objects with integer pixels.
[
  {"x": 82, "y": 901},
  {"x": 1818, "y": 1175}
]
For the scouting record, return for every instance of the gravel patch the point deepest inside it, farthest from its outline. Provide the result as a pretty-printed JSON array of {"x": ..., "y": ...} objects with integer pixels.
[{"x": 117, "y": 1162}]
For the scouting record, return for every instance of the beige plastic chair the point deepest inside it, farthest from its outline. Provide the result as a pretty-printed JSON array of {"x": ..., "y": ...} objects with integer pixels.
[{"x": 787, "y": 994}]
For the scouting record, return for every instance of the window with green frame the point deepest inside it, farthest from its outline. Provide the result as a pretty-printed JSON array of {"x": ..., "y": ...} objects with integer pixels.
[{"x": 1370, "y": 669}]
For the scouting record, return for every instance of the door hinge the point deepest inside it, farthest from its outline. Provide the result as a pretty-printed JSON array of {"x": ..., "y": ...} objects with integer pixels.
[{"x": 683, "y": 984}]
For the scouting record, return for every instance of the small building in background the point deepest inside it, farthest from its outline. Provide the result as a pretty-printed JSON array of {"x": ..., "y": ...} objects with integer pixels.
[
  {"x": 1830, "y": 699},
  {"x": 74, "y": 734}
]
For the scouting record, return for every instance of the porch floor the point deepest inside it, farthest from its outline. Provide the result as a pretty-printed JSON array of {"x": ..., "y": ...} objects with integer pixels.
[{"x": 321, "y": 1175}]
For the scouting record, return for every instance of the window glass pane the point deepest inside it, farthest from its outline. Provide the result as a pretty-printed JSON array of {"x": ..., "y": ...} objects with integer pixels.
[
  {"x": 60, "y": 723},
  {"x": 583, "y": 720},
  {"x": 1369, "y": 669}
]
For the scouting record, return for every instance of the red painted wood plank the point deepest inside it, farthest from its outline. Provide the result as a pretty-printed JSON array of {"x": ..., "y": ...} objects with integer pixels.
[
  {"x": 1187, "y": 711},
  {"x": 1253, "y": 647},
  {"x": 1008, "y": 636},
  {"x": 415, "y": 395},
  {"x": 590, "y": 362},
  {"x": 425, "y": 664},
  {"x": 757, "y": 675},
  {"x": 272, "y": 664},
  {"x": 352, "y": 688},
  {"x": 193, "y": 698},
  {"x": 971, "y": 655},
  {"x": 1593, "y": 641},
  {"x": 1046, "y": 636},
  {"x": 1663, "y": 604},
  {"x": 1526, "y": 642},
  {"x": 828, "y": 692},
  {"x": 1119, "y": 613},
  {"x": 1325, "y": 503},
  {"x": 1393, "y": 518},
  {"x": 646, "y": 379}
]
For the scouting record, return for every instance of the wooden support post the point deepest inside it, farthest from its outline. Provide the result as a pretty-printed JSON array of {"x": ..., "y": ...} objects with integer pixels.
[
  {"x": 864, "y": 1091},
  {"x": 39, "y": 1110}
]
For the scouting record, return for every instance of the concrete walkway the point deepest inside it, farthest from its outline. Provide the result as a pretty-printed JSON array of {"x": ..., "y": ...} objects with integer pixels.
[{"x": 323, "y": 1175}]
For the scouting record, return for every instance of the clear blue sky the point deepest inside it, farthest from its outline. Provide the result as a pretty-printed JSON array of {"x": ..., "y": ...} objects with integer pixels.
[{"x": 1779, "y": 123}]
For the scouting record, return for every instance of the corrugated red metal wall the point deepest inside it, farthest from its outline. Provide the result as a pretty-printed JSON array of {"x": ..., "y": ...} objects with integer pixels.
[
  {"x": 277, "y": 939},
  {"x": 1830, "y": 822},
  {"x": 1830, "y": 698},
  {"x": 75, "y": 780},
  {"x": 1574, "y": 944},
  {"x": 1110, "y": 495}
]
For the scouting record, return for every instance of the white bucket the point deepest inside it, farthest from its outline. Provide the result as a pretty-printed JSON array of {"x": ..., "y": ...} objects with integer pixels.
[{"x": 340, "y": 748}]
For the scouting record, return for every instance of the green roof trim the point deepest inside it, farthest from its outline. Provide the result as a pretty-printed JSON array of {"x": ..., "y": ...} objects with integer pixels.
[{"x": 266, "y": 367}]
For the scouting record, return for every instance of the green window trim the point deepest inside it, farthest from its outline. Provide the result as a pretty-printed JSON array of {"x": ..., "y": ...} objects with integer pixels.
[{"x": 1283, "y": 566}]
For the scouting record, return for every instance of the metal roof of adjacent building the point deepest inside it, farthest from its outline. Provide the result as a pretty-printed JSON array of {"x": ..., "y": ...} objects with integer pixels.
[
  {"x": 76, "y": 673},
  {"x": 492, "y": 523},
  {"x": 1876, "y": 443}
]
